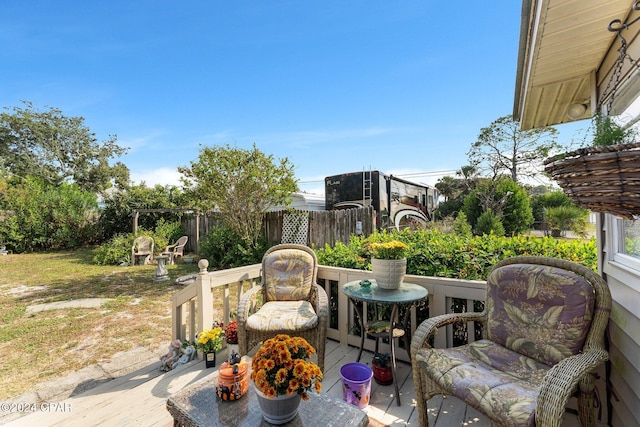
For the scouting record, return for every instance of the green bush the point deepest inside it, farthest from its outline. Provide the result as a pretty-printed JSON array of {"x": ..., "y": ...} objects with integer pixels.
[
  {"x": 116, "y": 251},
  {"x": 37, "y": 216},
  {"x": 489, "y": 224},
  {"x": 432, "y": 253},
  {"x": 223, "y": 248}
]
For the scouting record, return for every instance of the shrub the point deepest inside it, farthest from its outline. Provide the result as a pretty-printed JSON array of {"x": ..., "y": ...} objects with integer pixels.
[
  {"x": 490, "y": 224},
  {"x": 461, "y": 227},
  {"x": 116, "y": 251},
  {"x": 40, "y": 216},
  {"x": 432, "y": 253},
  {"x": 223, "y": 248}
]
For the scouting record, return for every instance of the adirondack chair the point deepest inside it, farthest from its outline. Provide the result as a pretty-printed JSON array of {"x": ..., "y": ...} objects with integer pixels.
[
  {"x": 142, "y": 249},
  {"x": 176, "y": 250}
]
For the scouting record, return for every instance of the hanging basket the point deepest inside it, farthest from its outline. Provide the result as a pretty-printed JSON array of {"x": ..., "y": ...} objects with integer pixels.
[{"x": 602, "y": 179}]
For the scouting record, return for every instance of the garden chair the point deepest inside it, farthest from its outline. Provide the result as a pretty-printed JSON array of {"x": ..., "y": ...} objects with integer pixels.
[
  {"x": 142, "y": 248},
  {"x": 175, "y": 250},
  {"x": 289, "y": 301},
  {"x": 543, "y": 334}
]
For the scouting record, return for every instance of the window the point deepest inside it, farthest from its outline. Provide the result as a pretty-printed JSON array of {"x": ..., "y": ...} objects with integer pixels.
[{"x": 631, "y": 232}]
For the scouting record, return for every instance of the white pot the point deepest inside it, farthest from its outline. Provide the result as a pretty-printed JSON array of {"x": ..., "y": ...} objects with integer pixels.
[{"x": 389, "y": 273}]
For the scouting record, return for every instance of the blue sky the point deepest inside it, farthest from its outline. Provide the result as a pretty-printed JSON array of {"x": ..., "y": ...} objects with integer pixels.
[{"x": 402, "y": 86}]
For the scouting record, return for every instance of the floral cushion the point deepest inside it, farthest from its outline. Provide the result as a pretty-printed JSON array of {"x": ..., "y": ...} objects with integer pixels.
[
  {"x": 283, "y": 316},
  {"x": 288, "y": 275},
  {"x": 539, "y": 311},
  {"x": 489, "y": 377}
]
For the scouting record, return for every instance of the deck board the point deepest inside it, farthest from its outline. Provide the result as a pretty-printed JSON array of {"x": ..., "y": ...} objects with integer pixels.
[{"x": 139, "y": 398}]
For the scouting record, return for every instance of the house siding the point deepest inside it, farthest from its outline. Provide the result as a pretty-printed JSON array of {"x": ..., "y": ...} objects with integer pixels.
[{"x": 623, "y": 334}]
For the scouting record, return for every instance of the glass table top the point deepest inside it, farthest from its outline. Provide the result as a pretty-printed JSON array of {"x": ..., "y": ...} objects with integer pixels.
[{"x": 407, "y": 292}]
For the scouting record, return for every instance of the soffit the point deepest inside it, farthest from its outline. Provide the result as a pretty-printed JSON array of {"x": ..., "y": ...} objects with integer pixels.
[{"x": 562, "y": 44}]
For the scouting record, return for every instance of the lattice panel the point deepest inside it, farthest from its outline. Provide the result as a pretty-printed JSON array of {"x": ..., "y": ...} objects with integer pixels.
[{"x": 295, "y": 228}]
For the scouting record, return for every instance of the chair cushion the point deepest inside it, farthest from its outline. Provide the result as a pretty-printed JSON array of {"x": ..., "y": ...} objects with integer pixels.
[
  {"x": 540, "y": 311},
  {"x": 288, "y": 274},
  {"x": 283, "y": 316},
  {"x": 489, "y": 377}
]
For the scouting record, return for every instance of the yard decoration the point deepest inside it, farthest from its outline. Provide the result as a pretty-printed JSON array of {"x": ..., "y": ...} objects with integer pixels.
[{"x": 167, "y": 360}]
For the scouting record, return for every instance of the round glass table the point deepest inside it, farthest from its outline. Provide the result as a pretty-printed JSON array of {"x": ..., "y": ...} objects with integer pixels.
[{"x": 407, "y": 294}]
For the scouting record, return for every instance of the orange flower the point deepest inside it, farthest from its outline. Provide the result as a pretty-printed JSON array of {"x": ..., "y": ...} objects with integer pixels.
[
  {"x": 281, "y": 367},
  {"x": 281, "y": 375}
]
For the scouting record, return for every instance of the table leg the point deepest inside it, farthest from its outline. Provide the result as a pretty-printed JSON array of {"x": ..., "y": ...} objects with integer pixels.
[
  {"x": 362, "y": 331},
  {"x": 394, "y": 314}
]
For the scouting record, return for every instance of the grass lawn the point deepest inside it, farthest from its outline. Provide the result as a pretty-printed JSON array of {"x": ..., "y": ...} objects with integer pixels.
[{"x": 46, "y": 345}]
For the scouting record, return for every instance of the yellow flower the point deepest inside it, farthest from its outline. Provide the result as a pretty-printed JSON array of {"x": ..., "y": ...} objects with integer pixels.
[{"x": 389, "y": 250}]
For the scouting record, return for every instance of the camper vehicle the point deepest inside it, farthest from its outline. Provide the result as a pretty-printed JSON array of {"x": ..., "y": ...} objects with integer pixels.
[{"x": 398, "y": 203}]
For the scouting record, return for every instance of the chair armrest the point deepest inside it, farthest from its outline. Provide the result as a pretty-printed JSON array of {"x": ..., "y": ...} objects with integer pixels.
[
  {"x": 430, "y": 326},
  {"x": 561, "y": 381},
  {"x": 169, "y": 247},
  {"x": 248, "y": 303},
  {"x": 322, "y": 304}
]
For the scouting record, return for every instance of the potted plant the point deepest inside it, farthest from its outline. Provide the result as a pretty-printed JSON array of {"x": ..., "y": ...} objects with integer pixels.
[
  {"x": 381, "y": 366},
  {"x": 231, "y": 337},
  {"x": 602, "y": 177},
  {"x": 388, "y": 263},
  {"x": 282, "y": 376},
  {"x": 210, "y": 341}
]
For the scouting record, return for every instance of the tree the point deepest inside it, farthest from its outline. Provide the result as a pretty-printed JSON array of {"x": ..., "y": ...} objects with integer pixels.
[
  {"x": 241, "y": 184},
  {"x": 115, "y": 216},
  {"x": 58, "y": 149},
  {"x": 566, "y": 217},
  {"x": 504, "y": 148},
  {"x": 505, "y": 200}
]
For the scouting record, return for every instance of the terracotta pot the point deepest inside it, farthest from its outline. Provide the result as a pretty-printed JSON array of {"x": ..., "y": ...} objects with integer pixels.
[
  {"x": 383, "y": 375},
  {"x": 389, "y": 273}
]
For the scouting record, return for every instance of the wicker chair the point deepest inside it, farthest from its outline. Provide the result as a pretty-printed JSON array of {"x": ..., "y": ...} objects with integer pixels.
[
  {"x": 543, "y": 335},
  {"x": 289, "y": 301}
]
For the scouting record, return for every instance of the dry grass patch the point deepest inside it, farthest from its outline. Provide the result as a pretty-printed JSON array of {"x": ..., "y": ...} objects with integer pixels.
[{"x": 50, "y": 344}]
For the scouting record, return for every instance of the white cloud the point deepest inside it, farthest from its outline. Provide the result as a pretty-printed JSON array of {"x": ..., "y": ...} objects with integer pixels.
[{"x": 161, "y": 176}]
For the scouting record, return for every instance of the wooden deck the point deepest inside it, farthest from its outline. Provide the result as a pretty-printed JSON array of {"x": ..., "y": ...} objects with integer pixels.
[{"x": 139, "y": 398}]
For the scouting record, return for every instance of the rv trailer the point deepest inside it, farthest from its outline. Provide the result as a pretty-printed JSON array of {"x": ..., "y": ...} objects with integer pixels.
[{"x": 398, "y": 203}]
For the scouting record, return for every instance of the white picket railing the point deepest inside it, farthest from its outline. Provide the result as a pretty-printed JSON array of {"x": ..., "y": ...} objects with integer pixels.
[{"x": 193, "y": 307}]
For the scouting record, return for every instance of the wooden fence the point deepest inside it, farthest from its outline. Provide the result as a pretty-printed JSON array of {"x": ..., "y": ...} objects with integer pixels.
[{"x": 292, "y": 226}]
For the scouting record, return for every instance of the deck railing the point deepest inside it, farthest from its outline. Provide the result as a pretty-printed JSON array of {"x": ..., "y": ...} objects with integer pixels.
[{"x": 214, "y": 295}]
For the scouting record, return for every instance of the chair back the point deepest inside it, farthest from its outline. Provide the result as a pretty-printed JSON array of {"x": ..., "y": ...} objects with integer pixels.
[
  {"x": 289, "y": 272},
  {"x": 143, "y": 244},
  {"x": 180, "y": 244},
  {"x": 545, "y": 308}
]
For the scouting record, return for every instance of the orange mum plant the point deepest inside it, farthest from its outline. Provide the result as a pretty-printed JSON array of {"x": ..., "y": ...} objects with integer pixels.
[{"x": 281, "y": 367}]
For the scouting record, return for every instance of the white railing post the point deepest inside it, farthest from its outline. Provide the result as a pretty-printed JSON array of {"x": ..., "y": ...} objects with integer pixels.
[{"x": 204, "y": 298}]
